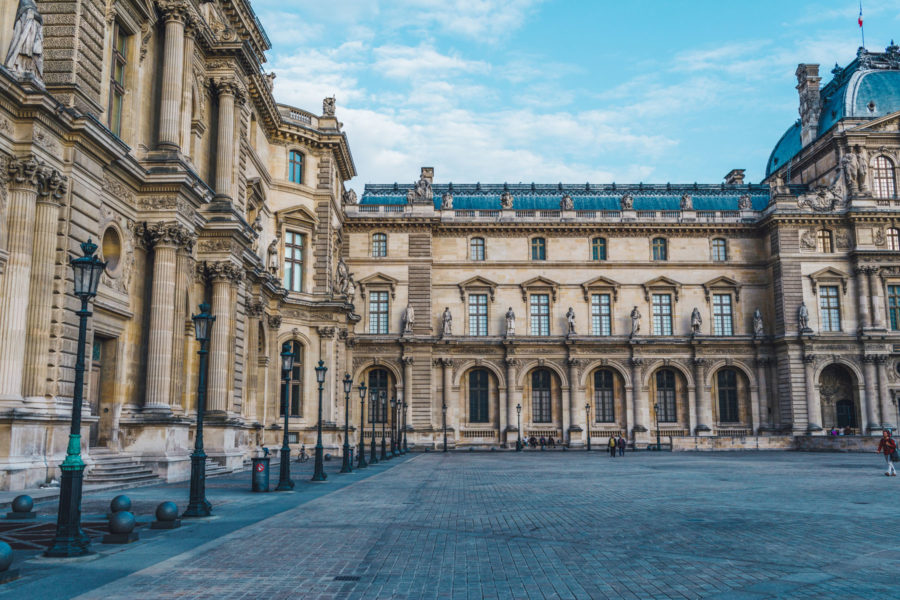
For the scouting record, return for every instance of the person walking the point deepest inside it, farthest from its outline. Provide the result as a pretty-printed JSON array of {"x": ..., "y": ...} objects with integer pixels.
[
  {"x": 888, "y": 447},
  {"x": 620, "y": 444},
  {"x": 612, "y": 446}
]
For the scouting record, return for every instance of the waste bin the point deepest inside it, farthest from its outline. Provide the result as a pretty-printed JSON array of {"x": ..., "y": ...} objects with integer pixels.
[{"x": 260, "y": 477}]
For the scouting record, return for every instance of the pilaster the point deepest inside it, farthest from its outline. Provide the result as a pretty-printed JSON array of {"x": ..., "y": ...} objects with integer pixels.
[
  {"x": 223, "y": 275},
  {"x": 175, "y": 15}
]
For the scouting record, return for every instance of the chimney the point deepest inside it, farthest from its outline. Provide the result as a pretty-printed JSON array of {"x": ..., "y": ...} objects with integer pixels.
[
  {"x": 810, "y": 106},
  {"x": 427, "y": 174},
  {"x": 735, "y": 177}
]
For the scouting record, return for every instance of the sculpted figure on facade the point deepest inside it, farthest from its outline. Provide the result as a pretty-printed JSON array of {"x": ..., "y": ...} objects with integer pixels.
[
  {"x": 635, "y": 321},
  {"x": 421, "y": 193},
  {"x": 350, "y": 197},
  {"x": 862, "y": 177},
  {"x": 758, "y": 330},
  {"x": 506, "y": 200},
  {"x": 803, "y": 318},
  {"x": 510, "y": 322},
  {"x": 627, "y": 202},
  {"x": 343, "y": 277},
  {"x": 696, "y": 321},
  {"x": 447, "y": 201},
  {"x": 850, "y": 168},
  {"x": 744, "y": 202},
  {"x": 409, "y": 319},
  {"x": 26, "y": 51},
  {"x": 570, "y": 321},
  {"x": 328, "y": 106},
  {"x": 273, "y": 257},
  {"x": 567, "y": 203},
  {"x": 351, "y": 288},
  {"x": 687, "y": 203},
  {"x": 446, "y": 322}
]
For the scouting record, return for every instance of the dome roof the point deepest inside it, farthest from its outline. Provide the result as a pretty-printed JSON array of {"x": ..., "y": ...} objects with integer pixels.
[{"x": 868, "y": 88}]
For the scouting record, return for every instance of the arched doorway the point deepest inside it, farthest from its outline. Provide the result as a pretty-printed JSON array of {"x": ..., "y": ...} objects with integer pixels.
[
  {"x": 669, "y": 406},
  {"x": 606, "y": 394},
  {"x": 839, "y": 397},
  {"x": 542, "y": 409}
]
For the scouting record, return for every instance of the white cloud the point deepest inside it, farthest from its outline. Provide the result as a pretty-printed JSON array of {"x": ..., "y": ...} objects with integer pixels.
[{"x": 422, "y": 62}]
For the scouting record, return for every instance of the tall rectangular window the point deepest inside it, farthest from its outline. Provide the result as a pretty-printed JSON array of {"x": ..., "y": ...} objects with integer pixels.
[
  {"x": 378, "y": 312},
  {"x": 894, "y": 306},
  {"x": 379, "y": 245},
  {"x": 293, "y": 261},
  {"x": 598, "y": 249},
  {"x": 476, "y": 247},
  {"x": 722, "y": 322},
  {"x": 295, "y": 385},
  {"x": 665, "y": 397},
  {"x": 830, "y": 308},
  {"x": 600, "y": 315},
  {"x": 478, "y": 314},
  {"x": 538, "y": 249},
  {"x": 540, "y": 314},
  {"x": 662, "y": 314},
  {"x": 117, "y": 80},
  {"x": 719, "y": 250},
  {"x": 660, "y": 249},
  {"x": 295, "y": 167},
  {"x": 604, "y": 399}
]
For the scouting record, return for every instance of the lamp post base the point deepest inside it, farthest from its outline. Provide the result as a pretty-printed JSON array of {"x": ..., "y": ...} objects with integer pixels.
[
  {"x": 346, "y": 463},
  {"x": 319, "y": 473},
  {"x": 70, "y": 540},
  {"x": 198, "y": 506},
  {"x": 284, "y": 472}
]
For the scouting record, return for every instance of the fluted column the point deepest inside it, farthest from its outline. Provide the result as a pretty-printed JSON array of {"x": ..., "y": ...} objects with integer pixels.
[
  {"x": 187, "y": 91},
  {"x": 407, "y": 380},
  {"x": 763, "y": 414},
  {"x": 813, "y": 406},
  {"x": 704, "y": 407},
  {"x": 183, "y": 268},
  {"x": 862, "y": 282},
  {"x": 26, "y": 177},
  {"x": 452, "y": 412},
  {"x": 223, "y": 275},
  {"x": 877, "y": 303},
  {"x": 884, "y": 394},
  {"x": 641, "y": 408},
  {"x": 575, "y": 413},
  {"x": 511, "y": 416},
  {"x": 40, "y": 306},
  {"x": 227, "y": 89},
  {"x": 174, "y": 13},
  {"x": 254, "y": 314},
  {"x": 869, "y": 401},
  {"x": 273, "y": 374}
]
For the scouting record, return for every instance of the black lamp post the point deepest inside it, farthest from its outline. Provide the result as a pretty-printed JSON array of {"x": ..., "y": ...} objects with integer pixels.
[
  {"x": 198, "y": 505},
  {"x": 384, "y": 455},
  {"x": 361, "y": 460},
  {"x": 444, "y": 414},
  {"x": 656, "y": 412},
  {"x": 405, "y": 447},
  {"x": 70, "y": 540},
  {"x": 587, "y": 410},
  {"x": 518, "y": 427},
  {"x": 319, "y": 472},
  {"x": 284, "y": 473},
  {"x": 346, "y": 463},
  {"x": 394, "y": 428},
  {"x": 373, "y": 404}
]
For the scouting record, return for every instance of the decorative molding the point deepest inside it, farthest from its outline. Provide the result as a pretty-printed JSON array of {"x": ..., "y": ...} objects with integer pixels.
[
  {"x": 720, "y": 283},
  {"x": 539, "y": 283},
  {"x": 117, "y": 189},
  {"x": 377, "y": 280},
  {"x": 223, "y": 270},
  {"x": 601, "y": 284},
  {"x": 477, "y": 283},
  {"x": 661, "y": 283},
  {"x": 169, "y": 234},
  {"x": 828, "y": 275},
  {"x": 274, "y": 321}
]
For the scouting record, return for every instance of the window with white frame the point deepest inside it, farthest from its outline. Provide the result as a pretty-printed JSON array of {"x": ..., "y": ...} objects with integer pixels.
[
  {"x": 540, "y": 314},
  {"x": 601, "y": 318},
  {"x": 117, "y": 79},
  {"x": 722, "y": 315},
  {"x": 893, "y": 238},
  {"x": 662, "y": 314},
  {"x": 829, "y": 308},
  {"x": 378, "y": 312},
  {"x": 293, "y": 261},
  {"x": 476, "y": 249},
  {"x": 379, "y": 245},
  {"x": 719, "y": 250},
  {"x": 883, "y": 183},
  {"x": 478, "y": 319},
  {"x": 824, "y": 242}
]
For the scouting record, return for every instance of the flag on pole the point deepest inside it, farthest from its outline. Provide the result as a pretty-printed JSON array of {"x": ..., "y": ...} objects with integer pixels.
[{"x": 860, "y": 15}]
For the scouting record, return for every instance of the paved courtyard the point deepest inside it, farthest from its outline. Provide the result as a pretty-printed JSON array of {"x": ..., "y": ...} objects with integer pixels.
[{"x": 554, "y": 525}]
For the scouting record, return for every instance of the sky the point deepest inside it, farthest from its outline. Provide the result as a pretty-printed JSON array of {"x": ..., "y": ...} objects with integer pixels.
[{"x": 568, "y": 91}]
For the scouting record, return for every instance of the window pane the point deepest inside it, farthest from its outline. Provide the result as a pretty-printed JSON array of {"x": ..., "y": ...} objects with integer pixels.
[
  {"x": 604, "y": 399},
  {"x": 665, "y": 396},
  {"x": 598, "y": 249},
  {"x": 293, "y": 261},
  {"x": 295, "y": 167},
  {"x": 722, "y": 322},
  {"x": 883, "y": 178},
  {"x": 894, "y": 306},
  {"x": 540, "y": 397},
  {"x": 728, "y": 397},
  {"x": 477, "y": 249},
  {"x": 478, "y": 314},
  {"x": 823, "y": 241},
  {"x": 659, "y": 249},
  {"x": 478, "y": 396},
  {"x": 893, "y": 239},
  {"x": 538, "y": 249},
  {"x": 719, "y": 250},
  {"x": 378, "y": 312},
  {"x": 379, "y": 245},
  {"x": 378, "y": 386},
  {"x": 829, "y": 308},
  {"x": 540, "y": 314},
  {"x": 294, "y": 384},
  {"x": 601, "y": 320},
  {"x": 662, "y": 314}
]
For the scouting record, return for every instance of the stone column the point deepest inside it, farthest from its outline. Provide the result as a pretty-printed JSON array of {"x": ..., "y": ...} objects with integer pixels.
[
  {"x": 175, "y": 15},
  {"x": 407, "y": 386},
  {"x": 576, "y": 411},
  {"x": 25, "y": 178},
  {"x": 869, "y": 401},
  {"x": 877, "y": 303},
  {"x": 446, "y": 383},
  {"x": 511, "y": 414},
  {"x": 273, "y": 400},
  {"x": 184, "y": 266},
  {"x": 254, "y": 314},
  {"x": 187, "y": 87},
  {"x": 762, "y": 395},
  {"x": 43, "y": 266},
  {"x": 226, "y": 88},
  {"x": 704, "y": 408},
  {"x": 641, "y": 407},
  {"x": 887, "y": 420},
  {"x": 221, "y": 349},
  {"x": 862, "y": 282},
  {"x": 813, "y": 407},
  {"x": 326, "y": 353}
]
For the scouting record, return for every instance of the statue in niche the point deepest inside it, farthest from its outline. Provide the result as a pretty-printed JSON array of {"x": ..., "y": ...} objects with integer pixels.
[
  {"x": 510, "y": 322},
  {"x": 570, "y": 321},
  {"x": 862, "y": 162},
  {"x": 26, "y": 51},
  {"x": 635, "y": 321},
  {"x": 850, "y": 168},
  {"x": 447, "y": 323},
  {"x": 744, "y": 202},
  {"x": 447, "y": 201},
  {"x": 409, "y": 319},
  {"x": 696, "y": 321},
  {"x": 803, "y": 318},
  {"x": 506, "y": 200},
  {"x": 758, "y": 331},
  {"x": 351, "y": 287},
  {"x": 273, "y": 257},
  {"x": 567, "y": 203},
  {"x": 343, "y": 277}
]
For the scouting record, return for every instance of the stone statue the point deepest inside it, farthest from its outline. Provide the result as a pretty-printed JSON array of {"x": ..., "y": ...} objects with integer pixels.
[
  {"x": 635, "y": 321},
  {"x": 328, "y": 107},
  {"x": 270, "y": 80},
  {"x": 26, "y": 51},
  {"x": 409, "y": 319},
  {"x": 567, "y": 203},
  {"x": 447, "y": 323},
  {"x": 696, "y": 321},
  {"x": 257, "y": 227},
  {"x": 687, "y": 203},
  {"x": 351, "y": 287},
  {"x": 627, "y": 202},
  {"x": 273, "y": 257},
  {"x": 777, "y": 187},
  {"x": 803, "y": 318},
  {"x": 506, "y": 200},
  {"x": 850, "y": 168},
  {"x": 758, "y": 324},
  {"x": 744, "y": 202},
  {"x": 862, "y": 165},
  {"x": 447, "y": 201},
  {"x": 510, "y": 322},
  {"x": 570, "y": 320},
  {"x": 421, "y": 193},
  {"x": 343, "y": 277},
  {"x": 350, "y": 197}
]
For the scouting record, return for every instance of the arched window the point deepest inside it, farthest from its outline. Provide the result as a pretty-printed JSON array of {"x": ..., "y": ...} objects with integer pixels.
[
  {"x": 478, "y": 396},
  {"x": 295, "y": 167},
  {"x": 660, "y": 250},
  {"x": 295, "y": 382},
  {"x": 378, "y": 387},
  {"x": 540, "y": 396},
  {"x": 598, "y": 248},
  {"x": 883, "y": 180},
  {"x": 665, "y": 396},
  {"x": 893, "y": 238},
  {"x": 726, "y": 383},
  {"x": 379, "y": 245},
  {"x": 823, "y": 241},
  {"x": 604, "y": 398},
  {"x": 719, "y": 250},
  {"x": 476, "y": 249},
  {"x": 538, "y": 249}
]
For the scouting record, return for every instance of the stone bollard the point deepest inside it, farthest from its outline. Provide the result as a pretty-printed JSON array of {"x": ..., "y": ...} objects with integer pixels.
[
  {"x": 118, "y": 504},
  {"x": 166, "y": 516},
  {"x": 6, "y": 559},
  {"x": 21, "y": 508},
  {"x": 121, "y": 528}
]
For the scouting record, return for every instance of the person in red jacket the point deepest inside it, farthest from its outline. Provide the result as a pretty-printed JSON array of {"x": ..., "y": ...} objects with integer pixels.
[{"x": 888, "y": 446}]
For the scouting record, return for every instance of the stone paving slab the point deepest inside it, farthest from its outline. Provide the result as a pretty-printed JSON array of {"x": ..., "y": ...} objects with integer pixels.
[{"x": 561, "y": 525}]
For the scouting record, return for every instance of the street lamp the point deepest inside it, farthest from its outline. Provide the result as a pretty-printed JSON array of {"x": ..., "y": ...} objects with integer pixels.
[
  {"x": 394, "y": 429},
  {"x": 361, "y": 461},
  {"x": 287, "y": 366},
  {"x": 319, "y": 472},
  {"x": 384, "y": 455},
  {"x": 444, "y": 413},
  {"x": 518, "y": 427},
  {"x": 373, "y": 404},
  {"x": 656, "y": 413},
  {"x": 405, "y": 447},
  {"x": 198, "y": 505},
  {"x": 70, "y": 540},
  {"x": 587, "y": 410},
  {"x": 346, "y": 463}
]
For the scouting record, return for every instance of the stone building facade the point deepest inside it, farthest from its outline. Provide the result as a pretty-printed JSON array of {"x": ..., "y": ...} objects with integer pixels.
[{"x": 150, "y": 126}]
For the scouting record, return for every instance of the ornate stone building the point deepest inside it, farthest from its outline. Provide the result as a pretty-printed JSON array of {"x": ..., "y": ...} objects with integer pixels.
[{"x": 151, "y": 128}]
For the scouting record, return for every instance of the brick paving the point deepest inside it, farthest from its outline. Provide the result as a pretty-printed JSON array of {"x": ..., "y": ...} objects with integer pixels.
[{"x": 562, "y": 525}]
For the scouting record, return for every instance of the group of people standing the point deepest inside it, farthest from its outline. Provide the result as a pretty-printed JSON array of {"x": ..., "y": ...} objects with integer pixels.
[{"x": 616, "y": 445}]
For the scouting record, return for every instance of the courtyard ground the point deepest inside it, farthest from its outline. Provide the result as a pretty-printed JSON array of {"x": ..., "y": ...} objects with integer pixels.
[{"x": 516, "y": 525}]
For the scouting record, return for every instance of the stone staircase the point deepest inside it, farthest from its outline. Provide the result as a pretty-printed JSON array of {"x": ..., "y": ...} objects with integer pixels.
[
  {"x": 111, "y": 468},
  {"x": 213, "y": 468}
]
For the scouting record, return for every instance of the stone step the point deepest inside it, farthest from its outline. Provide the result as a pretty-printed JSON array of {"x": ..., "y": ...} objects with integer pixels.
[
  {"x": 112, "y": 468},
  {"x": 130, "y": 478}
]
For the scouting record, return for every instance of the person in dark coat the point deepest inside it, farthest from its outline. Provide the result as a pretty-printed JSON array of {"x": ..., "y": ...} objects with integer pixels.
[
  {"x": 620, "y": 444},
  {"x": 887, "y": 446}
]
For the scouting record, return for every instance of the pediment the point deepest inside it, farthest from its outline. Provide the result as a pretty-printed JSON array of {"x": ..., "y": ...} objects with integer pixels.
[
  {"x": 661, "y": 283},
  {"x": 598, "y": 283},
  {"x": 720, "y": 283},
  {"x": 829, "y": 275},
  {"x": 298, "y": 214},
  {"x": 477, "y": 282},
  {"x": 377, "y": 280},
  {"x": 539, "y": 282},
  {"x": 889, "y": 122}
]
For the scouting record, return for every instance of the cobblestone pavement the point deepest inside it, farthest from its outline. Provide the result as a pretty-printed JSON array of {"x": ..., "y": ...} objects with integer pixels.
[{"x": 563, "y": 525}]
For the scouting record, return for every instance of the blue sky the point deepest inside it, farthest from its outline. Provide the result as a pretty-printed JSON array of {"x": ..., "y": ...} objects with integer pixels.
[{"x": 561, "y": 90}]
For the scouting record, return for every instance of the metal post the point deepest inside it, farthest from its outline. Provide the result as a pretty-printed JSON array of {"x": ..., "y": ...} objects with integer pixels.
[
  {"x": 198, "y": 505},
  {"x": 319, "y": 472},
  {"x": 587, "y": 409},
  {"x": 656, "y": 411},
  {"x": 395, "y": 414},
  {"x": 346, "y": 465},
  {"x": 405, "y": 447},
  {"x": 444, "y": 412},
  {"x": 361, "y": 459},
  {"x": 518, "y": 427},
  {"x": 284, "y": 473},
  {"x": 384, "y": 455},
  {"x": 373, "y": 457}
]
